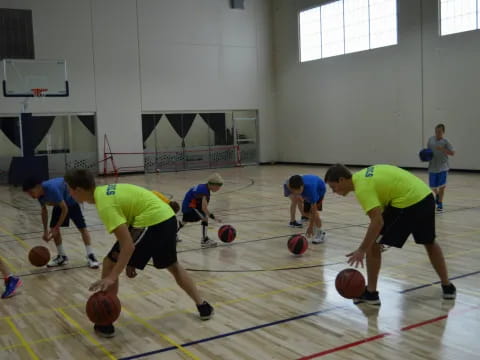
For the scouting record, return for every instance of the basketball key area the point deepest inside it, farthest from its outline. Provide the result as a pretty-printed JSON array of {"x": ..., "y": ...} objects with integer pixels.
[{"x": 270, "y": 304}]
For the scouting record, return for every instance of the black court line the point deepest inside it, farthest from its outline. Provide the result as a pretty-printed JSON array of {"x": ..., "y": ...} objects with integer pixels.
[
  {"x": 263, "y": 239},
  {"x": 264, "y": 270},
  {"x": 437, "y": 282},
  {"x": 277, "y": 322}
]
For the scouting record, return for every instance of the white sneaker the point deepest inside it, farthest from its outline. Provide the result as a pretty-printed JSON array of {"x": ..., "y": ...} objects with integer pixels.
[
  {"x": 319, "y": 238},
  {"x": 92, "y": 261},
  {"x": 208, "y": 243},
  {"x": 58, "y": 260}
]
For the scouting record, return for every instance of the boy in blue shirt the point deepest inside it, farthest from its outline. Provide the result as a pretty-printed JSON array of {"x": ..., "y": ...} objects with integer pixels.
[
  {"x": 54, "y": 193},
  {"x": 312, "y": 189},
  {"x": 195, "y": 206}
]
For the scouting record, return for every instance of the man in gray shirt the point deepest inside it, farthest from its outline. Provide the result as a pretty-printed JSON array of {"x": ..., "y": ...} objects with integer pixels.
[{"x": 438, "y": 167}]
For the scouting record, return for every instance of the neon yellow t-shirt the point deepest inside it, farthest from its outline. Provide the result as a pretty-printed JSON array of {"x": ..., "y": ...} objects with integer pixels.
[
  {"x": 382, "y": 185},
  {"x": 128, "y": 204},
  {"x": 161, "y": 196}
]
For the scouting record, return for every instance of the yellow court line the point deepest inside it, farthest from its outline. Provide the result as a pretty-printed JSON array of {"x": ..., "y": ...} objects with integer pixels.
[
  {"x": 9, "y": 264},
  {"x": 19, "y": 239},
  {"x": 22, "y": 339},
  {"x": 86, "y": 334},
  {"x": 162, "y": 335}
]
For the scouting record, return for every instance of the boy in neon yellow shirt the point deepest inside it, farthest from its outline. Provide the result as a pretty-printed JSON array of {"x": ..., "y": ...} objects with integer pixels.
[
  {"x": 145, "y": 228},
  {"x": 398, "y": 204}
]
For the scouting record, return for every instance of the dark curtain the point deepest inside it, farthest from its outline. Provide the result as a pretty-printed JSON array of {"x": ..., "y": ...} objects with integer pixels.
[
  {"x": 9, "y": 126},
  {"x": 181, "y": 123},
  {"x": 16, "y": 34},
  {"x": 34, "y": 129},
  {"x": 149, "y": 123},
  {"x": 216, "y": 122},
  {"x": 88, "y": 121}
]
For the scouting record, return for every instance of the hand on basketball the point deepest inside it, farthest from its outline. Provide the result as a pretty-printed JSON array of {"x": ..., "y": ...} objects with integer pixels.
[
  {"x": 102, "y": 285},
  {"x": 131, "y": 271},
  {"x": 356, "y": 257}
]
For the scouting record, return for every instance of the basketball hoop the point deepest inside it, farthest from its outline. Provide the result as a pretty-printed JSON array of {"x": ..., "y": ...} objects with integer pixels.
[{"x": 38, "y": 92}]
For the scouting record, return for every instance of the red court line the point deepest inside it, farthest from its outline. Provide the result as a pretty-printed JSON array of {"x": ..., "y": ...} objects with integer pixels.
[
  {"x": 382, "y": 335},
  {"x": 346, "y": 346}
]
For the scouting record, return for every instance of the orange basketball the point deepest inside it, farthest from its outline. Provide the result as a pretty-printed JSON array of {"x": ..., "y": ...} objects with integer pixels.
[
  {"x": 39, "y": 256},
  {"x": 297, "y": 244},
  {"x": 103, "y": 308},
  {"x": 350, "y": 283},
  {"x": 227, "y": 233}
]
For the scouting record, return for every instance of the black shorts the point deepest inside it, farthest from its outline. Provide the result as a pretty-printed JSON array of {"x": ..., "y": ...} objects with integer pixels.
[
  {"x": 418, "y": 220},
  {"x": 193, "y": 215},
  {"x": 74, "y": 213},
  {"x": 157, "y": 241},
  {"x": 307, "y": 206}
]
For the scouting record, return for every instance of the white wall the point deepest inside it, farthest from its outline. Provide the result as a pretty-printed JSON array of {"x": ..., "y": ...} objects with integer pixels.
[
  {"x": 366, "y": 107},
  {"x": 126, "y": 56}
]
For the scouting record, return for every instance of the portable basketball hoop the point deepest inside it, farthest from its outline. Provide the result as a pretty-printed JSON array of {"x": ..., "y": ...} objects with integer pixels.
[{"x": 38, "y": 92}]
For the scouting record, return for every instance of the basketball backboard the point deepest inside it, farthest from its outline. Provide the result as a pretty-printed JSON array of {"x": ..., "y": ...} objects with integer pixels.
[{"x": 20, "y": 76}]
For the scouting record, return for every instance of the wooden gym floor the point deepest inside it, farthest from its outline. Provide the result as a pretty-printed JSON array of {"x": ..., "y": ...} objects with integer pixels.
[{"x": 269, "y": 304}]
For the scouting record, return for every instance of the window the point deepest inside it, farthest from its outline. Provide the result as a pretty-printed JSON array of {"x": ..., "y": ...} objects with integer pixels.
[
  {"x": 310, "y": 34},
  {"x": 458, "y": 16},
  {"x": 347, "y": 26}
]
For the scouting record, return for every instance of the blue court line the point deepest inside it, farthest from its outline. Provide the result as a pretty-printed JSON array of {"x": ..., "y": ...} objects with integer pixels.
[
  {"x": 274, "y": 323},
  {"x": 234, "y": 333},
  {"x": 438, "y": 282}
]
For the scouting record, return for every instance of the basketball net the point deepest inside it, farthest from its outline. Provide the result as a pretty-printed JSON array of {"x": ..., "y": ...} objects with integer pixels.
[{"x": 38, "y": 92}]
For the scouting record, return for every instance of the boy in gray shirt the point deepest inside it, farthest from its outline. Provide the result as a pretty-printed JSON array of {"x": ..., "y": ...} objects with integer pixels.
[{"x": 438, "y": 167}]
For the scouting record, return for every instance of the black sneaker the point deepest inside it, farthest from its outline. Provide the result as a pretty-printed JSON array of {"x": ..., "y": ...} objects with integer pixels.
[
  {"x": 305, "y": 219},
  {"x": 205, "y": 310},
  {"x": 368, "y": 297},
  {"x": 106, "y": 331},
  {"x": 295, "y": 224},
  {"x": 449, "y": 291}
]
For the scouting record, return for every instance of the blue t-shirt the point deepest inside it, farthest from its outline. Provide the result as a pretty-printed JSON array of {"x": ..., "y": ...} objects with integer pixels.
[
  {"x": 313, "y": 188},
  {"x": 193, "y": 197},
  {"x": 55, "y": 190}
]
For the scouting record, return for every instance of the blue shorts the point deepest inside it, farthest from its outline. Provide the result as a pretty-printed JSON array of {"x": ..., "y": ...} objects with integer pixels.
[
  {"x": 437, "y": 180},
  {"x": 74, "y": 213}
]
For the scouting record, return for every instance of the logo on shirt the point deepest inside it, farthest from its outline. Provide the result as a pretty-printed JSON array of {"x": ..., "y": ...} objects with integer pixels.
[
  {"x": 111, "y": 189},
  {"x": 369, "y": 172}
]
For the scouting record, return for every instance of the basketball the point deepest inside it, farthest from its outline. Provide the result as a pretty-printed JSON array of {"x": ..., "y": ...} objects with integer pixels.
[
  {"x": 350, "y": 283},
  {"x": 297, "y": 244},
  {"x": 39, "y": 256},
  {"x": 227, "y": 233},
  {"x": 103, "y": 308},
  {"x": 425, "y": 155}
]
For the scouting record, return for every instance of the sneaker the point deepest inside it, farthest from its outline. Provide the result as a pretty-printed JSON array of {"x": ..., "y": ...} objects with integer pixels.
[
  {"x": 12, "y": 283},
  {"x": 449, "y": 291},
  {"x": 295, "y": 224},
  {"x": 92, "y": 261},
  {"x": 58, "y": 260},
  {"x": 304, "y": 219},
  {"x": 207, "y": 243},
  {"x": 368, "y": 297},
  {"x": 320, "y": 237},
  {"x": 106, "y": 331},
  {"x": 205, "y": 310},
  {"x": 439, "y": 207}
]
